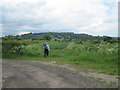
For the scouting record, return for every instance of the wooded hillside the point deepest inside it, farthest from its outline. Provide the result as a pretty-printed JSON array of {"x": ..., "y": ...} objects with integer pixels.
[{"x": 55, "y": 36}]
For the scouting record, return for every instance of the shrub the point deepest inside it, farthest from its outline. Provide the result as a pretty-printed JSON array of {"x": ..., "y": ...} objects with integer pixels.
[
  {"x": 79, "y": 42},
  {"x": 10, "y": 47}
]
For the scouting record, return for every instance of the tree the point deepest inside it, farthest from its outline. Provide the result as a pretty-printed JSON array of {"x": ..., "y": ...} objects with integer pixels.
[
  {"x": 9, "y": 37},
  {"x": 47, "y": 36},
  {"x": 107, "y": 38}
]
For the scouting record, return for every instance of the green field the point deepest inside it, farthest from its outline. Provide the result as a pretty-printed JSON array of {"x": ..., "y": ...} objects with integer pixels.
[{"x": 99, "y": 57}]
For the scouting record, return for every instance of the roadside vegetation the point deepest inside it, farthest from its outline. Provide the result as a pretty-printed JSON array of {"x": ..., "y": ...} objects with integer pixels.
[{"x": 96, "y": 55}]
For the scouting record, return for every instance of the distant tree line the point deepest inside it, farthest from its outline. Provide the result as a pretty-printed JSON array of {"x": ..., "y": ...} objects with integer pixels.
[{"x": 65, "y": 36}]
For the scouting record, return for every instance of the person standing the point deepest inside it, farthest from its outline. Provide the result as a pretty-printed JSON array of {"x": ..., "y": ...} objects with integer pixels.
[{"x": 46, "y": 49}]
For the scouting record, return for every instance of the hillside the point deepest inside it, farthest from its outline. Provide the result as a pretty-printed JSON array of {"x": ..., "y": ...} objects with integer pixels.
[
  {"x": 57, "y": 35},
  {"x": 54, "y": 36}
]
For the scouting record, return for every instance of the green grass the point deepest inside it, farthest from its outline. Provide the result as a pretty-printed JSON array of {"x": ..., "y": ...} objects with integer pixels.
[
  {"x": 86, "y": 66},
  {"x": 102, "y": 57}
]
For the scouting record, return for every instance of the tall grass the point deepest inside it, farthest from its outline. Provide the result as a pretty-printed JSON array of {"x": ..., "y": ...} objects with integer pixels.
[{"x": 101, "y": 56}]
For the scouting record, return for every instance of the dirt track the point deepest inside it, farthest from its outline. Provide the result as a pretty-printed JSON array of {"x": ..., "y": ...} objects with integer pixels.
[{"x": 34, "y": 74}]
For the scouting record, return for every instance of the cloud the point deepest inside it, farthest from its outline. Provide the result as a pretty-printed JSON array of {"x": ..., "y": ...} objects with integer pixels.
[
  {"x": 1, "y": 30},
  {"x": 26, "y": 28},
  {"x": 20, "y": 33},
  {"x": 19, "y": 1},
  {"x": 97, "y": 17}
]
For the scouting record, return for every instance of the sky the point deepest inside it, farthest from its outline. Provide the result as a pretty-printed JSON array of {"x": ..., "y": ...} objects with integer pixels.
[{"x": 94, "y": 17}]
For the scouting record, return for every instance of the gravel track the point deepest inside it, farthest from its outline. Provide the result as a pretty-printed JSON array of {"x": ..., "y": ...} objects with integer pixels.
[{"x": 31, "y": 74}]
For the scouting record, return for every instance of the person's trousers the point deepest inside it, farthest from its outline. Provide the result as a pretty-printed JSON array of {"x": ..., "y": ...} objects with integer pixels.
[{"x": 46, "y": 52}]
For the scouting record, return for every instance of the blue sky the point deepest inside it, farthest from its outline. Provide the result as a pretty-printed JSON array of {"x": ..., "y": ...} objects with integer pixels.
[{"x": 95, "y": 17}]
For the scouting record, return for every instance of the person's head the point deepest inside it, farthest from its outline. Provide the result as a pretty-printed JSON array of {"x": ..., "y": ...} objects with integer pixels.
[{"x": 45, "y": 43}]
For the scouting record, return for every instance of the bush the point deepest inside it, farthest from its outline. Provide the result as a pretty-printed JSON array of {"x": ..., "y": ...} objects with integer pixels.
[
  {"x": 79, "y": 42},
  {"x": 31, "y": 50},
  {"x": 96, "y": 42},
  {"x": 13, "y": 47}
]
